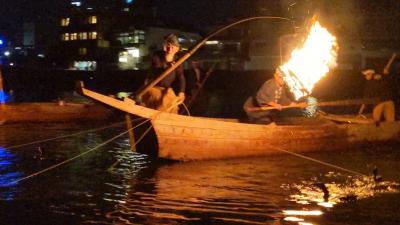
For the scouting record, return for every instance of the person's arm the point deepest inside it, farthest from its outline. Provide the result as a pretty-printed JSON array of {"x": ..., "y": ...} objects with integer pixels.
[
  {"x": 361, "y": 110},
  {"x": 182, "y": 82},
  {"x": 275, "y": 105},
  {"x": 265, "y": 95}
]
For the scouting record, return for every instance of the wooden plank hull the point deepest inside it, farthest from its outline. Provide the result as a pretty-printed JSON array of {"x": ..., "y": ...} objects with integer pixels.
[
  {"x": 52, "y": 112},
  {"x": 193, "y": 138}
]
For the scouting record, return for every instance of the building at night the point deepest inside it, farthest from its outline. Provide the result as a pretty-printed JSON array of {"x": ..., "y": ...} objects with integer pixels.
[{"x": 114, "y": 34}]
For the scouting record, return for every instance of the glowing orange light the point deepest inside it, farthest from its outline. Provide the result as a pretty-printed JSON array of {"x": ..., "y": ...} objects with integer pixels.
[{"x": 308, "y": 64}]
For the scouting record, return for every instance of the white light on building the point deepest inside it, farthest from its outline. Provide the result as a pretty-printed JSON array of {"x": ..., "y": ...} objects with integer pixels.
[
  {"x": 212, "y": 42},
  {"x": 123, "y": 59},
  {"x": 134, "y": 52},
  {"x": 76, "y": 3},
  {"x": 7, "y": 53}
]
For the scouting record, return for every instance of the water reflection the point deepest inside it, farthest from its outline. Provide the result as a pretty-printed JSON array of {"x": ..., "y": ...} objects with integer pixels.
[
  {"x": 112, "y": 185},
  {"x": 8, "y": 174},
  {"x": 199, "y": 193},
  {"x": 340, "y": 189},
  {"x": 240, "y": 191}
]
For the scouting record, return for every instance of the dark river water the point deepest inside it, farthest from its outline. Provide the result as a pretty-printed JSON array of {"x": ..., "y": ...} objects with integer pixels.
[{"x": 80, "y": 179}]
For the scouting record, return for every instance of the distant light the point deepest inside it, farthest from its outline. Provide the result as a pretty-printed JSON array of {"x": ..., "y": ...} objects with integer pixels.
[
  {"x": 1, "y": 42},
  {"x": 12, "y": 64},
  {"x": 76, "y": 3},
  {"x": 3, "y": 97},
  {"x": 134, "y": 52},
  {"x": 40, "y": 55},
  {"x": 89, "y": 8},
  {"x": 129, "y": 1},
  {"x": 17, "y": 48},
  {"x": 212, "y": 42},
  {"x": 7, "y": 53},
  {"x": 123, "y": 59}
]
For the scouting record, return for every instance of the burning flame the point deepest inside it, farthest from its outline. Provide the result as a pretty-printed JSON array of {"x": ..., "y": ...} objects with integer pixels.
[{"x": 311, "y": 62}]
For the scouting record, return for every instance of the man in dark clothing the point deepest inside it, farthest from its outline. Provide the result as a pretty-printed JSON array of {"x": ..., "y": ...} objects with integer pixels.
[
  {"x": 162, "y": 96},
  {"x": 377, "y": 86},
  {"x": 272, "y": 93}
]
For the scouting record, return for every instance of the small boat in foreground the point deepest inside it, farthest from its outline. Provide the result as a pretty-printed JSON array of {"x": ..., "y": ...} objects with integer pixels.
[
  {"x": 187, "y": 138},
  {"x": 52, "y": 112}
]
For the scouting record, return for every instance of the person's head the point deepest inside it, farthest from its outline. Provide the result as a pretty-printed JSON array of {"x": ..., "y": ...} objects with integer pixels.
[
  {"x": 278, "y": 76},
  {"x": 171, "y": 44},
  {"x": 368, "y": 74}
]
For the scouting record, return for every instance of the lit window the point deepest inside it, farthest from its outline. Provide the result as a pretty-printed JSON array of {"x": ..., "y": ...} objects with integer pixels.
[
  {"x": 85, "y": 65},
  {"x": 65, "y": 37},
  {"x": 92, "y": 19},
  {"x": 83, "y": 36},
  {"x": 82, "y": 51},
  {"x": 76, "y": 3},
  {"x": 134, "y": 52},
  {"x": 93, "y": 35},
  {"x": 73, "y": 36},
  {"x": 65, "y": 22}
]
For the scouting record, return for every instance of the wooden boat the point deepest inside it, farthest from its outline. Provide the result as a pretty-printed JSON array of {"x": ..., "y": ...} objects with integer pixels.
[
  {"x": 186, "y": 138},
  {"x": 52, "y": 112}
]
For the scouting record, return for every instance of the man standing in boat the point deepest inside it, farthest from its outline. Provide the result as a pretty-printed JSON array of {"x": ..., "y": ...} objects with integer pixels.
[
  {"x": 162, "y": 96},
  {"x": 273, "y": 93}
]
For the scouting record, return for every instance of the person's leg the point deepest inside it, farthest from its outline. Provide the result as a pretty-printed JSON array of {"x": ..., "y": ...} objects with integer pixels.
[
  {"x": 377, "y": 112},
  {"x": 389, "y": 111},
  {"x": 152, "y": 98}
]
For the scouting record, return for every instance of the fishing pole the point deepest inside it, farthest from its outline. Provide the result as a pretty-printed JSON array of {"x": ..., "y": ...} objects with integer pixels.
[{"x": 154, "y": 82}]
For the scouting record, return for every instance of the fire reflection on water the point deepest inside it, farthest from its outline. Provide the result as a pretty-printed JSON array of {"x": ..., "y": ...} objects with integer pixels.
[
  {"x": 116, "y": 186},
  {"x": 341, "y": 189}
]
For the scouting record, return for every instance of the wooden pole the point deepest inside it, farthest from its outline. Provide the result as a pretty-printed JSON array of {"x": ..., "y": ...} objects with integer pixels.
[
  {"x": 348, "y": 102},
  {"x": 194, "y": 49},
  {"x": 131, "y": 134},
  {"x": 197, "y": 92},
  {"x": 389, "y": 64}
]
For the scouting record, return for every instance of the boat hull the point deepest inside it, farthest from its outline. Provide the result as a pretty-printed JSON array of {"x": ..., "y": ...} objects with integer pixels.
[
  {"x": 198, "y": 140},
  {"x": 52, "y": 112},
  {"x": 187, "y": 138}
]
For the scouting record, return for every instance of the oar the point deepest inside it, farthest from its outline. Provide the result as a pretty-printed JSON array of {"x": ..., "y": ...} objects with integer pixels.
[
  {"x": 348, "y": 102},
  {"x": 389, "y": 64}
]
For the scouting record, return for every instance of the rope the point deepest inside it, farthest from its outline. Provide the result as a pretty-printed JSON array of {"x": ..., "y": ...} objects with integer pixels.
[
  {"x": 75, "y": 157},
  {"x": 137, "y": 142},
  {"x": 320, "y": 162},
  {"x": 97, "y": 147},
  {"x": 186, "y": 109},
  {"x": 65, "y": 136}
]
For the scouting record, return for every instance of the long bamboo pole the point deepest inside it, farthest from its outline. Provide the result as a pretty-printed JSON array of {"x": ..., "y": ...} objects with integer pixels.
[
  {"x": 348, "y": 102},
  {"x": 195, "y": 48}
]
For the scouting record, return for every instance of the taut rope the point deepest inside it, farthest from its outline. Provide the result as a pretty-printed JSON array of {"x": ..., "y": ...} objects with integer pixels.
[{"x": 97, "y": 147}]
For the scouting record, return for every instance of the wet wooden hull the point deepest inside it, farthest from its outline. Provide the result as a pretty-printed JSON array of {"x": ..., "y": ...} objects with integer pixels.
[
  {"x": 193, "y": 138},
  {"x": 52, "y": 112}
]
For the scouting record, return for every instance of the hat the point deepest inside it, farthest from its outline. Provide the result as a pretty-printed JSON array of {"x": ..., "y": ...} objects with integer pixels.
[
  {"x": 172, "y": 39},
  {"x": 368, "y": 71}
]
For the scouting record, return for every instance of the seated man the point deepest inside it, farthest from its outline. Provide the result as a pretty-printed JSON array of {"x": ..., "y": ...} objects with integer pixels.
[
  {"x": 377, "y": 86},
  {"x": 272, "y": 93}
]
